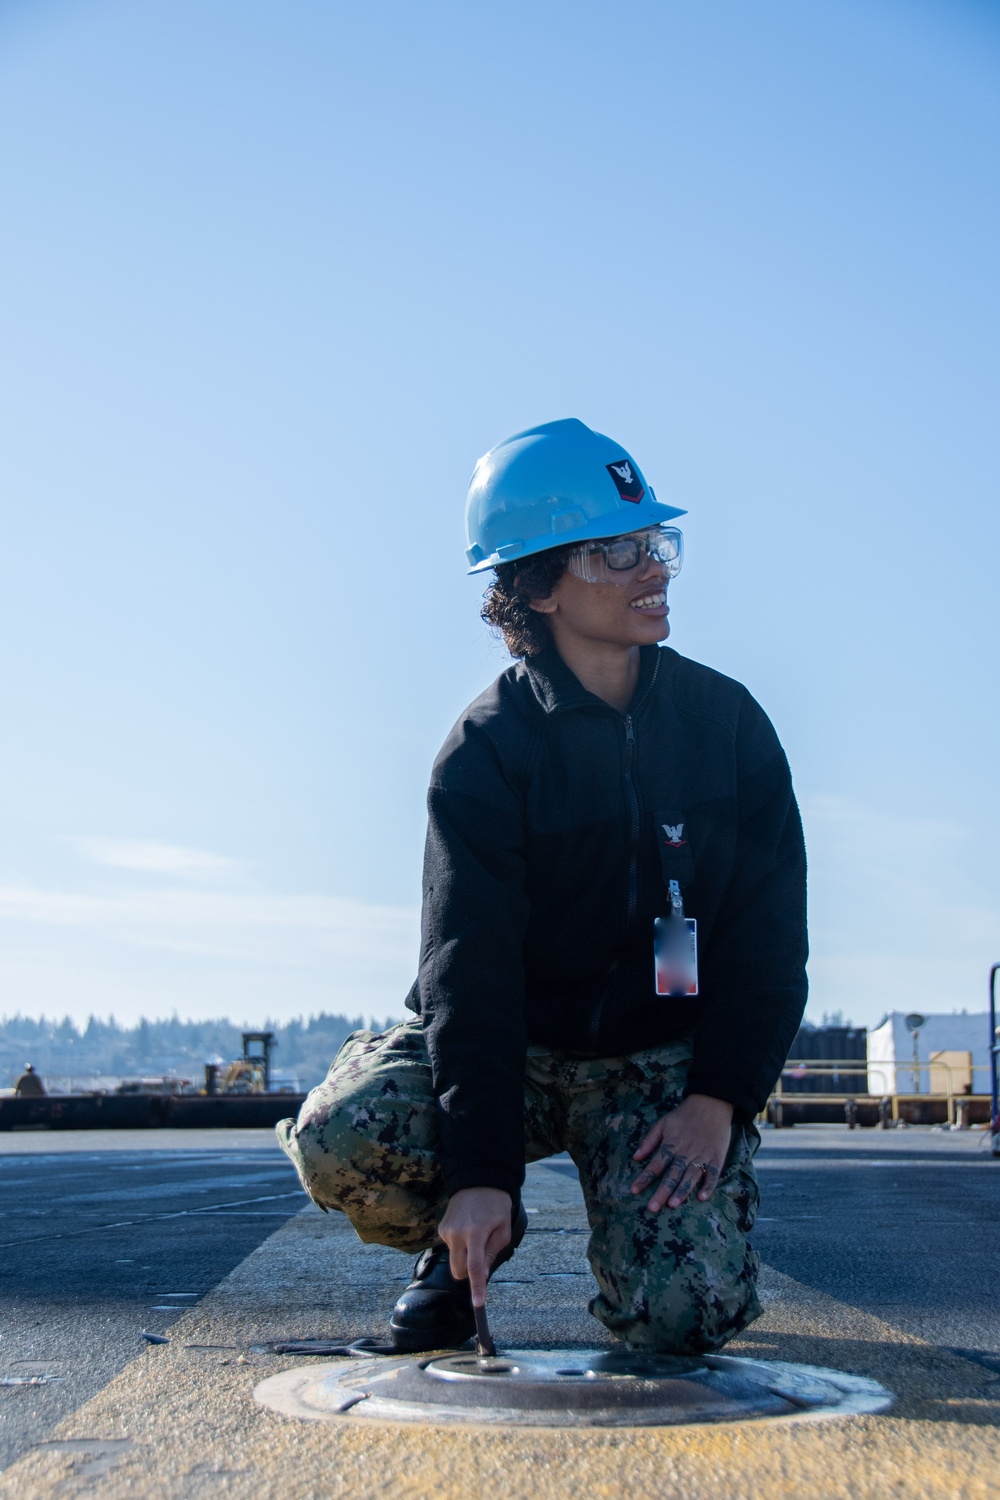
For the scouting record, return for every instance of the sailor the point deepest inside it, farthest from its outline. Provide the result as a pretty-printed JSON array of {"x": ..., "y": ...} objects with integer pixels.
[
  {"x": 613, "y": 936},
  {"x": 29, "y": 1085}
]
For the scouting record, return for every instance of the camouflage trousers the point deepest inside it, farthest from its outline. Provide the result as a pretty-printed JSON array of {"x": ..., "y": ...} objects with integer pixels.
[{"x": 681, "y": 1281}]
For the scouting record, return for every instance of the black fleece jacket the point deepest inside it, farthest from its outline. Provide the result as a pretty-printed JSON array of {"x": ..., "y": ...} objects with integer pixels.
[{"x": 555, "y": 823}]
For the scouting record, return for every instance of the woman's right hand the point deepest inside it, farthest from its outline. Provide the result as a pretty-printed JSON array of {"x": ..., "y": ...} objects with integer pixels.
[{"x": 476, "y": 1227}]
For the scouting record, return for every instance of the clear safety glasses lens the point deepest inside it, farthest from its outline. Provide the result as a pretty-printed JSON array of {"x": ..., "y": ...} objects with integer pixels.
[{"x": 617, "y": 560}]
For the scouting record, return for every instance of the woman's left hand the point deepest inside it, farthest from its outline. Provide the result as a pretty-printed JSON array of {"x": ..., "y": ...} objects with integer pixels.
[{"x": 688, "y": 1149}]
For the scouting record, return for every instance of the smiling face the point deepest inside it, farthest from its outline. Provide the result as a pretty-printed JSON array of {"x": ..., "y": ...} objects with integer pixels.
[{"x": 632, "y": 613}]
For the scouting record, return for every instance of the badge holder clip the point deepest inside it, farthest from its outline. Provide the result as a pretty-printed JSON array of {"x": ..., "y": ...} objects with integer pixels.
[{"x": 675, "y": 950}]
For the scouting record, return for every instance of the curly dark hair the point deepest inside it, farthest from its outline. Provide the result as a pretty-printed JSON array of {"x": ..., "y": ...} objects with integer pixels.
[{"x": 507, "y": 606}]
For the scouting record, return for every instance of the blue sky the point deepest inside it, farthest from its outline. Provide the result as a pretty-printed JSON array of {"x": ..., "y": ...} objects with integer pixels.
[{"x": 273, "y": 276}]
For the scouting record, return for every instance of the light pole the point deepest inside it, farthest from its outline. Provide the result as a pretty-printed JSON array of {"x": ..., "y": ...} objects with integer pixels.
[
  {"x": 913, "y": 1023},
  {"x": 994, "y": 1055}
]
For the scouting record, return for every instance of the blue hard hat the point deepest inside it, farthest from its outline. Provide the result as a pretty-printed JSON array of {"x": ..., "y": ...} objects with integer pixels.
[{"x": 554, "y": 485}]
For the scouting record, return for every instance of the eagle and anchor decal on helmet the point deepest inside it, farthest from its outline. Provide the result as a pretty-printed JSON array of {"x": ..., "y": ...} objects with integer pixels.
[{"x": 629, "y": 485}]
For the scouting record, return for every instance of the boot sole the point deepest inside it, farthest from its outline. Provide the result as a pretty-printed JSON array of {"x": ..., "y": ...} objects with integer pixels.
[{"x": 421, "y": 1341}]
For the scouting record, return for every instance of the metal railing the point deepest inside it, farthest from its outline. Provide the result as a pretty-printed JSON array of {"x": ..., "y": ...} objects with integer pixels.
[{"x": 888, "y": 1070}]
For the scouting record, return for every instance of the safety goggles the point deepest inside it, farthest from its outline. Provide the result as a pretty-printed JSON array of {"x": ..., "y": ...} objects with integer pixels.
[{"x": 619, "y": 559}]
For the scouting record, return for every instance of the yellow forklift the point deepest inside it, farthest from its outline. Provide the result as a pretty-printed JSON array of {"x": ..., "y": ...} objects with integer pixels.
[{"x": 249, "y": 1074}]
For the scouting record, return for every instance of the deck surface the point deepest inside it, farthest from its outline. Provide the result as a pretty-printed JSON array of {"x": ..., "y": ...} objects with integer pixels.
[{"x": 880, "y": 1253}]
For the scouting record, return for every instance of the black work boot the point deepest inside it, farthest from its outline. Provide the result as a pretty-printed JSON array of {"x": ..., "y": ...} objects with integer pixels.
[{"x": 435, "y": 1310}]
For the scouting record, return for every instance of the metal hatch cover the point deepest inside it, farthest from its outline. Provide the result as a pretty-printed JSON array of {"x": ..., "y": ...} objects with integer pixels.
[{"x": 568, "y": 1388}]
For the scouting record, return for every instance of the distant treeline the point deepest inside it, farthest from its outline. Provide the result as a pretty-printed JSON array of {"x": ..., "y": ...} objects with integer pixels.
[{"x": 155, "y": 1047}]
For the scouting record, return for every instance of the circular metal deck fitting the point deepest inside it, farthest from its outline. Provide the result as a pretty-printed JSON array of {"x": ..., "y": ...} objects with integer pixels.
[{"x": 568, "y": 1388}]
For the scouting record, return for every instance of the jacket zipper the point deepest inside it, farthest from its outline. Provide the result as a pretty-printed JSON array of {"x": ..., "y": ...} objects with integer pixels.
[
  {"x": 632, "y": 799},
  {"x": 633, "y": 807}
]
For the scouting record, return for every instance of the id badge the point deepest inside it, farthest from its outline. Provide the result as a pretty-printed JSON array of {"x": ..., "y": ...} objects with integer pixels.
[{"x": 675, "y": 950}]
